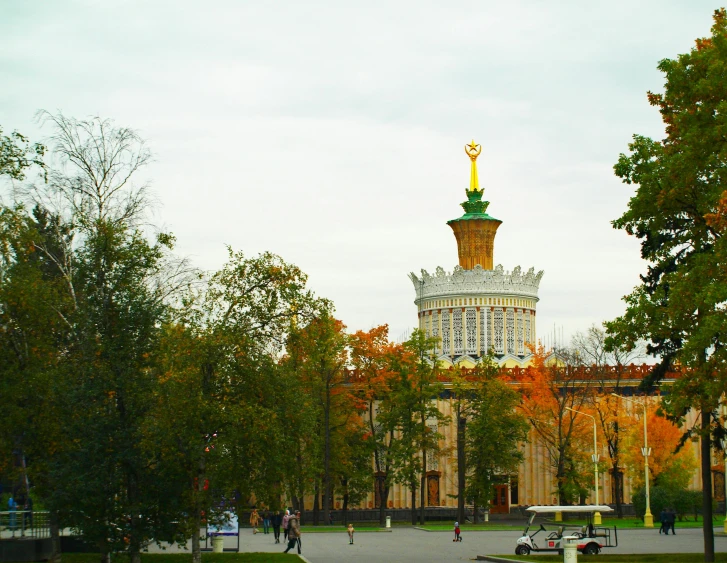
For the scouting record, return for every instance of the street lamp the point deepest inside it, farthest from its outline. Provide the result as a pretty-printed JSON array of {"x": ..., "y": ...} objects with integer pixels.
[
  {"x": 646, "y": 452},
  {"x": 595, "y": 457}
]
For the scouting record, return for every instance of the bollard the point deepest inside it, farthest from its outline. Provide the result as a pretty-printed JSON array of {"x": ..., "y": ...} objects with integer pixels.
[
  {"x": 388, "y": 521},
  {"x": 218, "y": 543},
  {"x": 570, "y": 549}
]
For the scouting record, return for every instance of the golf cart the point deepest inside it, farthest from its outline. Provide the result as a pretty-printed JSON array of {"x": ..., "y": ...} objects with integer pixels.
[{"x": 590, "y": 539}]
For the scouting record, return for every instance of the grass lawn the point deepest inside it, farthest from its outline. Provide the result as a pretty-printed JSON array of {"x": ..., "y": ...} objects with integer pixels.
[
  {"x": 608, "y": 522},
  {"x": 604, "y": 557},
  {"x": 186, "y": 557}
]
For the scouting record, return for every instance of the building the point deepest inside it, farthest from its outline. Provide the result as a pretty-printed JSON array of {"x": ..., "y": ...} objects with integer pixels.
[{"x": 478, "y": 307}]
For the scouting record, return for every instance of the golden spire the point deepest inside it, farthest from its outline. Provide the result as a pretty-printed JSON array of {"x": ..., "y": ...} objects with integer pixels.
[{"x": 473, "y": 150}]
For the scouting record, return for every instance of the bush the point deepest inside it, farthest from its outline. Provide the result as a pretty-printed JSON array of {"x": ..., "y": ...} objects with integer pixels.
[{"x": 683, "y": 501}]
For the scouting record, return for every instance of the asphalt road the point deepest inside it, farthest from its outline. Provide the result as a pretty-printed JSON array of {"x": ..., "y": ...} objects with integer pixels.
[{"x": 411, "y": 545}]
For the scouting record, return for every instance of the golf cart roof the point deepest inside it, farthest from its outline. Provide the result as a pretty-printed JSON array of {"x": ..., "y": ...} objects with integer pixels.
[{"x": 574, "y": 508}]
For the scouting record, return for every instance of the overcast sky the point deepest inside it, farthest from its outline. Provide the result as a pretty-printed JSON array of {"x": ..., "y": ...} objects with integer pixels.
[{"x": 332, "y": 133}]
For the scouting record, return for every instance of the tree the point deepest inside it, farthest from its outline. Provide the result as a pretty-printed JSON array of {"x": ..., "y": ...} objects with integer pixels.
[
  {"x": 375, "y": 361},
  {"x": 679, "y": 306},
  {"x": 549, "y": 390},
  {"x": 670, "y": 464},
  {"x": 17, "y": 155},
  {"x": 495, "y": 431},
  {"x": 415, "y": 415},
  {"x": 607, "y": 367}
]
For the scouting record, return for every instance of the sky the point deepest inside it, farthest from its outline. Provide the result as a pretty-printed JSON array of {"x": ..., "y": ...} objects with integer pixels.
[{"x": 332, "y": 133}]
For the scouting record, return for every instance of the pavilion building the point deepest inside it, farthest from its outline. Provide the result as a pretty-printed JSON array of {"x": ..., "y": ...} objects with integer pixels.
[{"x": 478, "y": 308}]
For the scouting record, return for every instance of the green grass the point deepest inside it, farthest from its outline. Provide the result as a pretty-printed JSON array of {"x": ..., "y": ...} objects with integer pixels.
[
  {"x": 357, "y": 527},
  {"x": 605, "y": 557},
  {"x": 185, "y": 557},
  {"x": 718, "y": 521}
]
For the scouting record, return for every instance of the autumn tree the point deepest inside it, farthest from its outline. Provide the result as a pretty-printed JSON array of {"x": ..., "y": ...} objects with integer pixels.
[
  {"x": 608, "y": 367},
  {"x": 375, "y": 361},
  {"x": 550, "y": 388},
  {"x": 679, "y": 306}
]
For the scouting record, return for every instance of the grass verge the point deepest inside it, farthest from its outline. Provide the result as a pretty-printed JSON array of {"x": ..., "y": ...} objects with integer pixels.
[{"x": 185, "y": 557}]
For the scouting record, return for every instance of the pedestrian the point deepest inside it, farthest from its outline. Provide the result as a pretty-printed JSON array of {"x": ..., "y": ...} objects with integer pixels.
[
  {"x": 663, "y": 519},
  {"x": 286, "y": 518},
  {"x": 672, "y": 521},
  {"x": 254, "y": 520},
  {"x": 457, "y": 536},
  {"x": 293, "y": 532},
  {"x": 276, "y": 520},
  {"x": 12, "y": 508},
  {"x": 350, "y": 533},
  {"x": 266, "y": 522},
  {"x": 28, "y": 514}
]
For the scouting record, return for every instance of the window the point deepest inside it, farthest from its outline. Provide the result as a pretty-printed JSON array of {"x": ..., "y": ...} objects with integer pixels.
[
  {"x": 445, "y": 333},
  {"x": 471, "y": 330},
  {"x": 457, "y": 322},
  {"x": 510, "y": 331},
  {"x": 498, "y": 330}
]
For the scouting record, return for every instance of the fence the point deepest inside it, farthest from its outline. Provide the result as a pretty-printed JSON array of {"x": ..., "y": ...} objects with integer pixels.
[{"x": 24, "y": 524}]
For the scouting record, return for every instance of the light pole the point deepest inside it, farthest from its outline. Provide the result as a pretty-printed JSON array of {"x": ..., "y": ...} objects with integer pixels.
[
  {"x": 595, "y": 457},
  {"x": 646, "y": 452}
]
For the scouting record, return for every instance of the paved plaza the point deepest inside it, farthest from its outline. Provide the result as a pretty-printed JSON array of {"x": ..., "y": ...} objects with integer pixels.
[{"x": 412, "y": 545}]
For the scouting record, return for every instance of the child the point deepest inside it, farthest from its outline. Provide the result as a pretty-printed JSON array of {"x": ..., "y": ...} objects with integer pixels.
[
  {"x": 457, "y": 537},
  {"x": 350, "y": 534}
]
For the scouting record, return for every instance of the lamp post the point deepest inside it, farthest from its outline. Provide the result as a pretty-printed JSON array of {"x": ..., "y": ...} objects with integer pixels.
[
  {"x": 646, "y": 452},
  {"x": 595, "y": 457}
]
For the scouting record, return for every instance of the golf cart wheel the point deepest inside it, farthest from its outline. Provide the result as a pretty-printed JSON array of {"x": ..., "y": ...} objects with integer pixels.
[
  {"x": 522, "y": 550},
  {"x": 591, "y": 549}
]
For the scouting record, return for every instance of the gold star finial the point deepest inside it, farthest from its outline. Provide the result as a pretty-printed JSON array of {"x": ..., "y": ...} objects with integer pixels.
[{"x": 473, "y": 150}]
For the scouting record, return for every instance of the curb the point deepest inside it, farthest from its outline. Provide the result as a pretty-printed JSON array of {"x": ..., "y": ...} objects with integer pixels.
[
  {"x": 303, "y": 558},
  {"x": 495, "y": 559}
]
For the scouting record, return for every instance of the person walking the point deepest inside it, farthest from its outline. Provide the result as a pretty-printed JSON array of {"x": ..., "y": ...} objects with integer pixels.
[
  {"x": 672, "y": 521},
  {"x": 286, "y": 519},
  {"x": 663, "y": 519},
  {"x": 276, "y": 520},
  {"x": 254, "y": 520},
  {"x": 293, "y": 533},
  {"x": 266, "y": 521},
  {"x": 12, "y": 508},
  {"x": 350, "y": 533}
]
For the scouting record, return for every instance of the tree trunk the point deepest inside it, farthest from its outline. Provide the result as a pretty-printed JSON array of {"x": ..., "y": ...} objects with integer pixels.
[
  {"x": 327, "y": 458},
  {"x": 461, "y": 467},
  {"x": 707, "y": 524},
  {"x": 316, "y": 501},
  {"x": 103, "y": 547},
  {"x": 423, "y": 489},
  {"x": 618, "y": 489},
  {"x": 345, "y": 505},
  {"x": 384, "y": 496},
  {"x": 55, "y": 537},
  {"x": 413, "y": 489},
  {"x": 198, "y": 487}
]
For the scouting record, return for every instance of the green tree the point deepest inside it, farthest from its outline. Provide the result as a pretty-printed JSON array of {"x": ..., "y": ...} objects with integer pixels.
[
  {"x": 17, "y": 155},
  {"x": 678, "y": 308},
  {"x": 496, "y": 429},
  {"x": 415, "y": 414}
]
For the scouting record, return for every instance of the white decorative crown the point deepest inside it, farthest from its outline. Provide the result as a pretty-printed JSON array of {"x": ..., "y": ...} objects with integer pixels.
[{"x": 476, "y": 282}]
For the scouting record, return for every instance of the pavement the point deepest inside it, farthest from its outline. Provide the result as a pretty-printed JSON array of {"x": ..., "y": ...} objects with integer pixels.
[{"x": 417, "y": 546}]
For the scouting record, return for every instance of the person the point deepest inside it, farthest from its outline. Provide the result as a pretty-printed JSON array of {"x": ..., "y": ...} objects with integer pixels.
[
  {"x": 663, "y": 519},
  {"x": 28, "y": 514},
  {"x": 12, "y": 507},
  {"x": 266, "y": 522},
  {"x": 293, "y": 532},
  {"x": 254, "y": 520},
  {"x": 276, "y": 519},
  {"x": 286, "y": 518},
  {"x": 350, "y": 533},
  {"x": 457, "y": 536},
  {"x": 672, "y": 516}
]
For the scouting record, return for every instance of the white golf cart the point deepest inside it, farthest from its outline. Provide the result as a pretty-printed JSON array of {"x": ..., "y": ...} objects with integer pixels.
[{"x": 590, "y": 539}]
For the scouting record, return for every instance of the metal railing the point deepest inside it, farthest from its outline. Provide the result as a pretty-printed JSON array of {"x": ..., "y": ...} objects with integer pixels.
[{"x": 24, "y": 524}]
